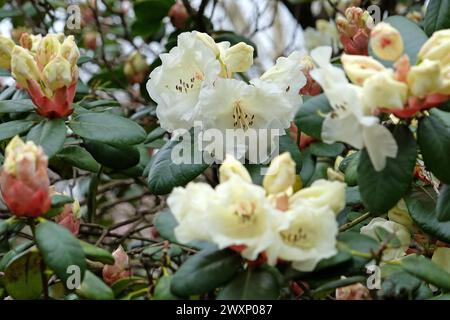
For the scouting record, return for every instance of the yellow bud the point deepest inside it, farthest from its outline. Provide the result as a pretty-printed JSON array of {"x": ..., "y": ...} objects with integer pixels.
[
  {"x": 445, "y": 73},
  {"x": 23, "y": 66},
  {"x": 30, "y": 42},
  {"x": 307, "y": 64},
  {"x": 48, "y": 49},
  {"x": 281, "y": 174},
  {"x": 383, "y": 91},
  {"x": 209, "y": 42},
  {"x": 135, "y": 68},
  {"x": 437, "y": 48},
  {"x": 17, "y": 151},
  {"x": 359, "y": 68},
  {"x": 386, "y": 41},
  {"x": 238, "y": 58},
  {"x": 231, "y": 167},
  {"x": 334, "y": 175},
  {"x": 69, "y": 50},
  {"x": 400, "y": 214},
  {"x": 57, "y": 73},
  {"x": 441, "y": 257},
  {"x": 6, "y": 47},
  {"x": 424, "y": 78}
]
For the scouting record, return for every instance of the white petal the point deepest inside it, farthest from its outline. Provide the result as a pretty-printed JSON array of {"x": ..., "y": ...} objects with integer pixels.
[
  {"x": 343, "y": 128},
  {"x": 380, "y": 144},
  {"x": 322, "y": 55}
]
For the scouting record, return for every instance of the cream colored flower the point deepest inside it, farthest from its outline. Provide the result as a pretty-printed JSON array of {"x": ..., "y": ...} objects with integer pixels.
[
  {"x": 305, "y": 236},
  {"x": 23, "y": 66},
  {"x": 242, "y": 216},
  {"x": 238, "y": 58},
  {"x": 400, "y": 214},
  {"x": 6, "y": 48},
  {"x": 386, "y": 41},
  {"x": 400, "y": 232},
  {"x": 190, "y": 206},
  {"x": 437, "y": 48},
  {"x": 383, "y": 91},
  {"x": 176, "y": 84},
  {"x": 425, "y": 78},
  {"x": 231, "y": 167},
  {"x": 281, "y": 174},
  {"x": 360, "y": 68},
  {"x": 321, "y": 193}
]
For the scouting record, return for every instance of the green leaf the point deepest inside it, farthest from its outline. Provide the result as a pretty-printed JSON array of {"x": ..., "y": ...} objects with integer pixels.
[
  {"x": 93, "y": 288},
  {"x": 60, "y": 249},
  {"x": 100, "y": 103},
  {"x": 125, "y": 285},
  {"x": 426, "y": 270},
  {"x": 351, "y": 170},
  {"x": 310, "y": 116},
  {"x": 12, "y": 128},
  {"x": 107, "y": 128},
  {"x": 421, "y": 203},
  {"x": 443, "y": 204},
  {"x": 308, "y": 166},
  {"x": 381, "y": 190},
  {"x": 79, "y": 157},
  {"x": 114, "y": 157},
  {"x": 10, "y": 255},
  {"x": 96, "y": 254},
  {"x": 322, "y": 149},
  {"x": 164, "y": 174},
  {"x": 352, "y": 196},
  {"x": 413, "y": 38},
  {"x": 18, "y": 105},
  {"x": 205, "y": 271},
  {"x": 437, "y": 16},
  {"x": 162, "y": 289},
  {"x": 399, "y": 285},
  {"x": 251, "y": 285},
  {"x": 149, "y": 16},
  {"x": 60, "y": 200},
  {"x": 23, "y": 279},
  {"x": 155, "y": 134},
  {"x": 50, "y": 134},
  {"x": 331, "y": 286},
  {"x": 287, "y": 144},
  {"x": 433, "y": 137}
]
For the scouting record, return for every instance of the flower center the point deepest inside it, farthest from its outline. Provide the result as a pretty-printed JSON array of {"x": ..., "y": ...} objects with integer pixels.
[
  {"x": 245, "y": 210},
  {"x": 190, "y": 84},
  {"x": 297, "y": 236},
  {"x": 241, "y": 119}
]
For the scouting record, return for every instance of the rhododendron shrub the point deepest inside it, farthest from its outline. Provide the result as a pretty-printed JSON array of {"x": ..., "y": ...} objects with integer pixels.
[{"x": 162, "y": 149}]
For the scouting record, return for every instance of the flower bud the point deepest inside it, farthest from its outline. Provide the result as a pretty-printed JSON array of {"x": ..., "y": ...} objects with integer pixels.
[
  {"x": 424, "y": 78},
  {"x": 178, "y": 15},
  {"x": 359, "y": 68},
  {"x": 386, "y": 41},
  {"x": 238, "y": 58},
  {"x": 47, "y": 49},
  {"x": 437, "y": 48},
  {"x": 119, "y": 270},
  {"x": 90, "y": 40},
  {"x": 353, "y": 292},
  {"x": 6, "y": 47},
  {"x": 23, "y": 66},
  {"x": 400, "y": 214},
  {"x": 383, "y": 91},
  {"x": 281, "y": 174},
  {"x": 354, "y": 30},
  {"x": 57, "y": 73},
  {"x": 231, "y": 167},
  {"x": 30, "y": 42},
  {"x": 69, "y": 51},
  {"x": 70, "y": 218},
  {"x": 320, "y": 194},
  {"x": 24, "y": 181},
  {"x": 136, "y": 68}
]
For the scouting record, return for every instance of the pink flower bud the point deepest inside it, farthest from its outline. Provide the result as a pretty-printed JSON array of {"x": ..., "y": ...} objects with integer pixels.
[
  {"x": 24, "y": 182},
  {"x": 353, "y": 292},
  {"x": 354, "y": 31},
  {"x": 70, "y": 217},
  {"x": 178, "y": 15},
  {"x": 120, "y": 269}
]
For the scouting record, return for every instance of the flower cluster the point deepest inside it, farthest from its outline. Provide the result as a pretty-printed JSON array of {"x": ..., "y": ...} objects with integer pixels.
[
  {"x": 195, "y": 84},
  {"x": 404, "y": 90},
  {"x": 47, "y": 68},
  {"x": 273, "y": 221}
]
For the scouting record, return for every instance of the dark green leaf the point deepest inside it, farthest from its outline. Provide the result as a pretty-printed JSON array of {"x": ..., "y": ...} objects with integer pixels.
[
  {"x": 96, "y": 254},
  {"x": 50, "y": 134},
  {"x": 310, "y": 116},
  {"x": 114, "y": 157},
  {"x": 437, "y": 16},
  {"x": 443, "y": 204},
  {"x": 321, "y": 149},
  {"x": 205, "y": 271},
  {"x": 93, "y": 288},
  {"x": 155, "y": 134},
  {"x": 381, "y": 190},
  {"x": 162, "y": 289},
  {"x": 60, "y": 249},
  {"x": 331, "y": 286},
  {"x": 79, "y": 157},
  {"x": 17, "y": 105},
  {"x": 12, "y": 128}
]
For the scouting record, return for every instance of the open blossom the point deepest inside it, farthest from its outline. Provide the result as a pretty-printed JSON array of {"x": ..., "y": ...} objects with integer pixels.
[
  {"x": 305, "y": 236},
  {"x": 354, "y": 30},
  {"x": 120, "y": 269},
  {"x": 400, "y": 232},
  {"x": 24, "y": 181},
  {"x": 6, "y": 47},
  {"x": 350, "y": 121},
  {"x": 386, "y": 41},
  {"x": 47, "y": 69}
]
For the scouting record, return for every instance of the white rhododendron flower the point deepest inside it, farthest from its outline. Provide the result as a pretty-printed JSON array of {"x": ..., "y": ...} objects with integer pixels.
[
  {"x": 305, "y": 236},
  {"x": 288, "y": 75},
  {"x": 190, "y": 206},
  {"x": 321, "y": 193},
  {"x": 349, "y": 121},
  {"x": 281, "y": 174},
  {"x": 400, "y": 232},
  {"x": 242, "y": 216},
  {"x": 231, "y": 167},
  {"x": 176, "y": 84}
]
